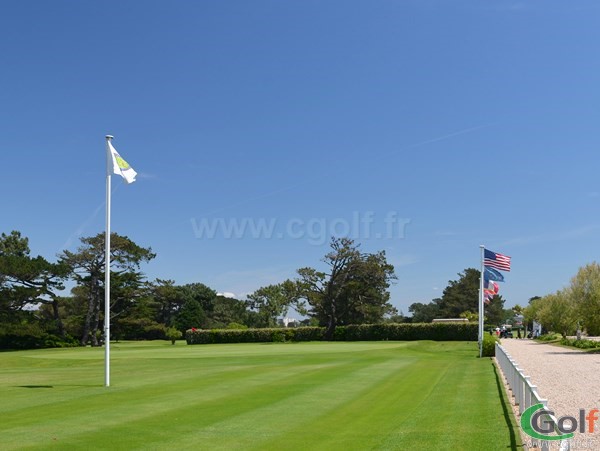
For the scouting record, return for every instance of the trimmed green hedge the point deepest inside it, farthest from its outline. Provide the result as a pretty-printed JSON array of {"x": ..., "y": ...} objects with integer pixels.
[
  {"x": 363, "y": 332},
  {"x": 408, "y": 332},
  {"x": 201, "y": 336}
]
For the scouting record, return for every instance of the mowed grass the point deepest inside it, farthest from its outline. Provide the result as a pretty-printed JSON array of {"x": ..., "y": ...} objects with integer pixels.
[{"x": 375, "y": 395}]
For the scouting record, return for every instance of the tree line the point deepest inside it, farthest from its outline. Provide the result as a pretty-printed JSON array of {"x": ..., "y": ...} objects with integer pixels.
[
  {"x": 575, "y": 307},
  {"x": 460, "y": 300},
  {"x": 350, "y": 287},
  {"x": 34, "y": 311}
]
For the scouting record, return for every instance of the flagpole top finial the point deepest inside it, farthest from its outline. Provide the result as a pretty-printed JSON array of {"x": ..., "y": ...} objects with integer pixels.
[
  {"x": 481, "y": 246},
  {"x": 109, "y": 136}
]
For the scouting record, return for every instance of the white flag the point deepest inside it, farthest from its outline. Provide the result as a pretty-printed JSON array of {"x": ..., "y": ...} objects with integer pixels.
[{"x": 120, "y": 166}]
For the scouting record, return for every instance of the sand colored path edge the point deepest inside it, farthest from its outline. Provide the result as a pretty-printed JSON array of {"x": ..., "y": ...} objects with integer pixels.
[{"x": 569, "y": 379}]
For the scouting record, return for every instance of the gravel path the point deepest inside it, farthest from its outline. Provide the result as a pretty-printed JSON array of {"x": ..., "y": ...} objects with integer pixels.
[{"x": 569, "y": 379}]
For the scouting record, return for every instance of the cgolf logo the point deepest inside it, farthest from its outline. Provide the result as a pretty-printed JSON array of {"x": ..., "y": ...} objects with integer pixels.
[{"x": 537, "y": 422}]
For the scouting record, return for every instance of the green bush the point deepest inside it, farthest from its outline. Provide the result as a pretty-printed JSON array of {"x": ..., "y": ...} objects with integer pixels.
[
  {"x": 488, "y": 348},
  {"x": 410, "y": 331},
  {"x": 279, "y": 336},
  {"x": 363, "y": 332},
  {"x": 236, "y": 326},
  {"x": 155, "y": 332},
  {"x": 581, "y": 344},
  {"x": 173, "y": 334},
  {"x": 308, "y": 333},
  {"x": 31, "y": 336},
  {"x": 139, "y": 329},
  {"x": 550, "y": 336}
]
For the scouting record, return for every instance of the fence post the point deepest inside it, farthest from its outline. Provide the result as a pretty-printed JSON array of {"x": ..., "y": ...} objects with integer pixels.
[
  {"x": 518, "y": 388},
  {"x": 528, "y": 388}
]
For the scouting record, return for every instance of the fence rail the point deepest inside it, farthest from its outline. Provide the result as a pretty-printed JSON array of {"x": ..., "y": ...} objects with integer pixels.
[{"x": 524, "y": 392}]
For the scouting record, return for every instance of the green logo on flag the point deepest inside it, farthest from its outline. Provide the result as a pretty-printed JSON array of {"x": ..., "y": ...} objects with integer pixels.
[{"x": 123, "y": 165}]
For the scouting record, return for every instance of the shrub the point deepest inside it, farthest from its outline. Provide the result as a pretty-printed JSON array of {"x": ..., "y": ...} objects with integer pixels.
[
  {"x": 354, "y": 332},
  {"x": 139, "y": 329},
  {"x": 581, "y": 344},
  {"x": 309, "y": 333},
  {"x": 410, "y": 331},
  {"x": 31, "y": 336},
  {"x": 489, "y": 345},
  {"x": 278, "y": 337},
  {"x": 156, "y": 332},
  {"x": 173, "y": 334},
  {"x": 550, "y": 336},
  {"x": 236, "y": 326}
]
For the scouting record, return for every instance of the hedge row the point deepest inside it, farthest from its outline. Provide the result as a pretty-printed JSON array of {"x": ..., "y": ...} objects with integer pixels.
[
  {"x": 363, "y": 332},
  {"x": 210, "y": 336},
  {"x": 582, "y": 344},
  {"x": 408, "y": 332}
]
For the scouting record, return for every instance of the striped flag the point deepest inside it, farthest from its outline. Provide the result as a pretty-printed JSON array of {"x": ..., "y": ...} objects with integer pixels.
[{"x": 496, "y": 260}]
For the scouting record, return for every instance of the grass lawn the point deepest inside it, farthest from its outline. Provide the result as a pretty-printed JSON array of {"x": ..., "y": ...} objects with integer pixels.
[{"x": 375, "y": 395}]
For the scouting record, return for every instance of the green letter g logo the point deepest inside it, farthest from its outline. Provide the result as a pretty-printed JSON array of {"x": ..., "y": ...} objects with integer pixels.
[{"x": 530, "y": 423}]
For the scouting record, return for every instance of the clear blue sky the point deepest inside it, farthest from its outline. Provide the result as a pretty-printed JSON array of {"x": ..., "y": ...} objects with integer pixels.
[{"x": 475, "y": 121}]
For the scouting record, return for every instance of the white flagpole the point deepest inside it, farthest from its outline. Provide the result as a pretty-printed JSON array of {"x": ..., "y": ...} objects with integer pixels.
[
  {"x": 481, "y": 308},
  {"x": 107, "y": 270}
]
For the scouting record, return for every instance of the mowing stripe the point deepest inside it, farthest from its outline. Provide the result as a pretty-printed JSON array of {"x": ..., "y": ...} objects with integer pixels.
[{"x": 384, "y": 395}]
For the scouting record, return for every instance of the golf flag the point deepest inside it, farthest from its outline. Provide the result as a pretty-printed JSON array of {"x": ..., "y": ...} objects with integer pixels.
[
  {"x": 496, "y": 260},
  {"x": 118, "y": 166},
  {"x": 492, "y": 274}
]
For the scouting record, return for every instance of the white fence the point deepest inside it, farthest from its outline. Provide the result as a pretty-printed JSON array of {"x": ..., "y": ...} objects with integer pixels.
[{"x": 524, "y": 392}]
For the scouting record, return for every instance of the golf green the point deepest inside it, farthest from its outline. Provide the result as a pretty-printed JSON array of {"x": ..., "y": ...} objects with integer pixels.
[{"x": 363, "y": 395}]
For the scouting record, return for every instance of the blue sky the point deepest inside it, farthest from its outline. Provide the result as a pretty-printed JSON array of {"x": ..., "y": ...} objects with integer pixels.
[{"x": 459, "y": 123}]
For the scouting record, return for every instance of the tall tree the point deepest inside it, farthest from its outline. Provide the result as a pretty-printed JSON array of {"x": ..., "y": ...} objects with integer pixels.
[
  {"x": 27, "y": 282},
  {"x": 197, "y": 303},
  {"x": 585, "y": 289},
  {"x": 271, "y": 302},
  {"x": 425, "y": 313},
  {"x": 168, "y": 300},
  {"x": 86, "y": 267},
  {"x": 199, "y": 292},
  {"x": 352, "y": 289},
  {"x": 228, "y": 310},
  {"x": 461, "y": 295},
  {"x": 191, "y": 315},
  {"x": 557, "y": 312},
  {"x": 495, "y": 312}
]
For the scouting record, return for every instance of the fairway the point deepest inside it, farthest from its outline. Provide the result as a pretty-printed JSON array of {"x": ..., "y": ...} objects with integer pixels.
[{"x": 364, "y": 395}]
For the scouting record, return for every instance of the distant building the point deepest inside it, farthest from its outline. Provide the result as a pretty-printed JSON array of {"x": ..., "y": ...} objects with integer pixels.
[{"x": 290, "y": 322}]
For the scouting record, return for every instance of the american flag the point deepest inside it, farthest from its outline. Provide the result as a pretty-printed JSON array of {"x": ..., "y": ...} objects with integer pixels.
[{"x": 495, "y": 260}]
